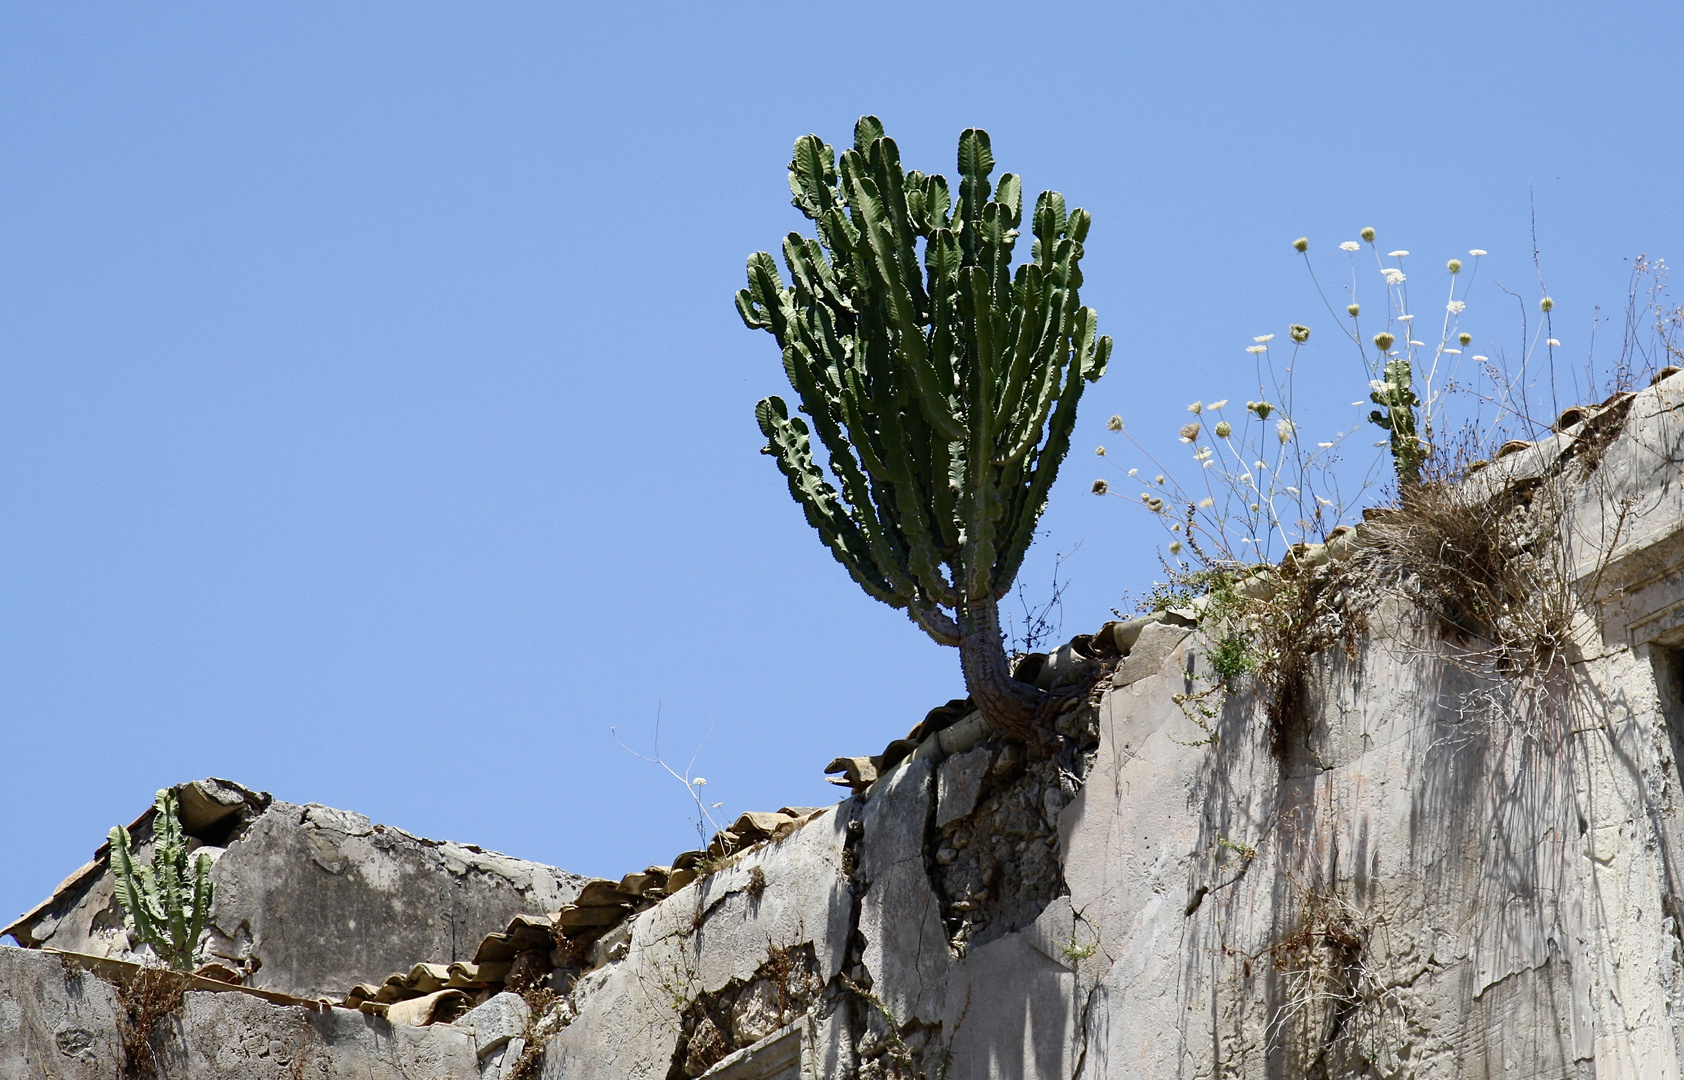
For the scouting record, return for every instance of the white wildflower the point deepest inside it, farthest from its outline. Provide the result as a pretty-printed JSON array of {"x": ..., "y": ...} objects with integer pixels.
[
  {"x": 1393, "y": 277},
  {"x": 1292, "y": 490},
  {"x": 1206, "y": 503},
  {"x": 1265, "y": 337},
  {"x": 1398, "y": 254},
  {"x": 1325, "y": 445},
  {"x": 1552, "y": 343},
  {"x": 1456, "y": 307},
  {"x": 700, "y": 781},
  {"x": 1256, "y": 348},
  {"x": 1480, "y": 359},
  {"x": 1202, "y": 454},
  {"x": 1477, "y": 252},
  {"x": 1349, "y": 245},
  {"x": 1324, "y": 502},
  {"x": 1283, "y": 430},
  {"x": 1217, "y": 404},
  {"x": 1196, "y": 407},
  {"x": 1134, "y": 472},
  {"x": 1378, "y": 387},
  {"x": 1453, "y": 352},
  {"x": 1418, "y": 344},
  {"x": 1406, "y": 318}
]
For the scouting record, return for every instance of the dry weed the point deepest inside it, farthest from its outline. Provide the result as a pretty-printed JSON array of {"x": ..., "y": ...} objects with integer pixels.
[{"x": 147, "y": 998}]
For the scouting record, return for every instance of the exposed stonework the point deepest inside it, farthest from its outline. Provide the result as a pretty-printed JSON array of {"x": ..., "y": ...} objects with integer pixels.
[
  {"x": 1402, "y": 875},
  {"x": 311, "y": 900}
]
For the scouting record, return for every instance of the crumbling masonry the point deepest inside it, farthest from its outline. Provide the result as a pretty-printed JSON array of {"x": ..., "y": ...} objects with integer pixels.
[{"x": 1400, "y": 876}]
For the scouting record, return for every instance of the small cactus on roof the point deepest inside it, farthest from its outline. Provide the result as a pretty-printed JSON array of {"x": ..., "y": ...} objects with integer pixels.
[{"x": 166, "y": 902}]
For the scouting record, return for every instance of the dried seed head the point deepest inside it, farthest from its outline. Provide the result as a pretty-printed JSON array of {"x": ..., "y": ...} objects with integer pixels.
[
  {"x": 1353, "y": 310},
  {"x": 1368, "y": 235},
  {"x": 1175, "y": 547},
  {"x": 1384, "y": 340},
  {"x": 1100, "y": 487},
  {"x": 1189, "y": 432},
  {"x": 1301, "y": 244},
  {"x": 1465, "y": 338},
  {"x": 1100, "y": 450},
  {"x": 1300, "y": 334},
  {"x": 1454, "y": 266},
  {"x": 1223, "y": 429},
  {"x": 1114, "y": 424},
  {"x": 1545, "y": 304}
]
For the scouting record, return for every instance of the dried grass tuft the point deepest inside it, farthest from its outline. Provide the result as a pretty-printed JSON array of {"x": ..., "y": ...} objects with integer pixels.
[{"x": 147, "y": 999}]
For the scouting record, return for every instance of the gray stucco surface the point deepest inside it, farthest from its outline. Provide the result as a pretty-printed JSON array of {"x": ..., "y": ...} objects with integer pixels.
[
  {"x": 1405, "y": 881},
  {"x": 312, "y": 900}
]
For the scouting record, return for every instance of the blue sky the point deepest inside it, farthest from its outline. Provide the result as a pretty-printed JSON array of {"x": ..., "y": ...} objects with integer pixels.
[{"x": 376, "y": 428}]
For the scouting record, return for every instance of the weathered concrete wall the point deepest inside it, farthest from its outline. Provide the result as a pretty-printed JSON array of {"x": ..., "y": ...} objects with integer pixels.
[
  {"x": 1410, "y": 875},
  {"x": 312, "y": 900},
  {"x": 1412, "y": 880},
  {"x": 57, "y": 1021}
]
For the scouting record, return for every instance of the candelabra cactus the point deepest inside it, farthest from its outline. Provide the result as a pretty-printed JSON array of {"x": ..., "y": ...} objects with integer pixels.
[
  {"x": 167, "y": 901},
  {"x": 942, "y": 384}
]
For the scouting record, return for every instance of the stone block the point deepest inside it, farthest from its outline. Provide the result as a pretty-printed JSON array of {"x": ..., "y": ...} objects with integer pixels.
[
  {"x": 958, "y": 783},
  {"x": 1157, "y": 641},
  {"x": 494, "y": 1023}
]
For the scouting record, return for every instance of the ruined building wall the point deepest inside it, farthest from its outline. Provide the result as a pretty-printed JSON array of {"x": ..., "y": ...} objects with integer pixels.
[{"x": 1411, "y": 873}]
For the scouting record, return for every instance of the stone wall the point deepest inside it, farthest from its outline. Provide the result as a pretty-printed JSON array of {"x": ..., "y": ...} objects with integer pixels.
[
  {"x": 310, "y": 900},
  {"x": 1412, "y": 872}
]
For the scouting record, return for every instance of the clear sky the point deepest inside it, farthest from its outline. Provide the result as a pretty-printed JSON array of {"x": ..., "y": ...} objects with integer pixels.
[{"x": 376, "y": 428}]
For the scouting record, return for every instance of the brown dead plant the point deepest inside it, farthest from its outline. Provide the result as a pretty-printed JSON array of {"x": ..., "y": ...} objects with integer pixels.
[
  {"x": 1489, "y": 558},
  {"x": 147, "y": 999},
  {"x": 1334, "y": 1007},
  {"x": 542, "y": 1024}
]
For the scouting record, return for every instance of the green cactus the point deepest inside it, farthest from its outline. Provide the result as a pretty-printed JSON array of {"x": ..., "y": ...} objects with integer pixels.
[
  {"x": 942, "y": 384},
  {"x": 1396, "y": 394},
  {"x": 166, "y": 902}
]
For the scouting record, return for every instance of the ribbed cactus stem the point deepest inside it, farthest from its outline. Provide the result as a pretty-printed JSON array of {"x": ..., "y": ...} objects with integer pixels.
[
  {"x": 167, "y": 901},
  {"x": 941, "y": 383}
]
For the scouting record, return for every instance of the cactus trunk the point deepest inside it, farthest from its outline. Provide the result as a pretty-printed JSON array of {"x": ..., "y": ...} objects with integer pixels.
[{"x": 1012, "y": 707}]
